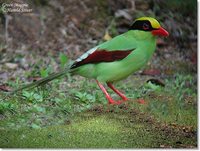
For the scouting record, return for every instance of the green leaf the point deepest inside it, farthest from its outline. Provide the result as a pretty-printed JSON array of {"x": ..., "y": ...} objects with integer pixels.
[
  {"x": 40, "y": 109},
  {"x": 57, "y": 100},
  {"x": 26, "y": 94},
  {"x": 44, "y": 73},
  {"x": 38, "y": 97},
  {"x": 152, "y": 86},
  {"x": 35, "y": 126},
  {"x": 63, "y": 59}
]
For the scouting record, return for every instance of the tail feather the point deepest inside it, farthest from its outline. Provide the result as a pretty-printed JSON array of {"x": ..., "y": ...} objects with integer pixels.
[{"x": 42, "y": 81}]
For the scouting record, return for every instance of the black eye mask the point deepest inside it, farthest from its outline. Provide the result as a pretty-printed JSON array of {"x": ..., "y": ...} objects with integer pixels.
[{"x": 144, "y": 25}]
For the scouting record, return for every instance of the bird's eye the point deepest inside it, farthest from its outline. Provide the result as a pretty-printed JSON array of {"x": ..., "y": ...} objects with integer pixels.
[{"x": 145, "y": 26}]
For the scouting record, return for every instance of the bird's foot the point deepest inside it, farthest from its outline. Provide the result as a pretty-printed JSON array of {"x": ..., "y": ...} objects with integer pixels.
[
  {"x": 115, "y": 102},
  {"x": 141, "y": 101},
  {"x": 125, "y": 99},
  {"x": 111, "y": 101}
]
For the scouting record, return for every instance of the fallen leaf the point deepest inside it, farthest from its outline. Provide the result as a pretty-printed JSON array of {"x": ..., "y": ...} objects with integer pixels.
[
  {"x": 34, "y": 78},
  {"x": 151, "y": 72},
  {"x": 107, "y": 36},
  {"x": 193, "y": 58},
  {"x": 5, "y": 88}
]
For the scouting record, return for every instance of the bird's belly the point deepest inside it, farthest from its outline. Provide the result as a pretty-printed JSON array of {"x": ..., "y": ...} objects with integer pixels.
[{"x": 111, "y": 72}]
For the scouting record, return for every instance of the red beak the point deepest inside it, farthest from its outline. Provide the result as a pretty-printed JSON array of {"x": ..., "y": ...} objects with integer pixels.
[{"x": 160, "y": 32}]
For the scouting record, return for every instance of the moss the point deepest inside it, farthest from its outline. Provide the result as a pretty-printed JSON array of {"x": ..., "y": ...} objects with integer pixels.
[{"x": 105, "y": 130}]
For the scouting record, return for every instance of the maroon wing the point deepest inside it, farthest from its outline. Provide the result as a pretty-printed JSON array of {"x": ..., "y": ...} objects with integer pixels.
[{"x": 102, "y": 56}]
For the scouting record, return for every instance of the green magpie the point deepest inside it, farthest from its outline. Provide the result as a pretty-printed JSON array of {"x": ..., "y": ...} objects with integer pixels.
[{"x": 115, "y": 59}]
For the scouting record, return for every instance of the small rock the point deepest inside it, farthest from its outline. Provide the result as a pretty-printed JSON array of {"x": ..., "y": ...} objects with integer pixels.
[
  {"x": 11, "y": 65},
  {"x": 3, "y": 75},
  {"x": 23, "y": 63},
  {"x": 123, "y": 13}
]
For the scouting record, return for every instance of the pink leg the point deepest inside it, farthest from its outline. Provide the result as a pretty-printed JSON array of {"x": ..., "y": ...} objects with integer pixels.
[
  {"x": 117, "y": 91},
  {"x": 108, "y": 97}
]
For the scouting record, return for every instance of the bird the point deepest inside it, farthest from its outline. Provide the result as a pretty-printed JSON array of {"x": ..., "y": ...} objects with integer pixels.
[{"x": 114, "y": 59}]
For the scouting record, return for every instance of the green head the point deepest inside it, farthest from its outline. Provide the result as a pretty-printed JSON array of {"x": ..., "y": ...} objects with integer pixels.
[{"x": 149, "y": 24}]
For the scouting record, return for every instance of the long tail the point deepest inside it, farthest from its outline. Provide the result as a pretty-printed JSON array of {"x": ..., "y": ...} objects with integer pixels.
[{"x": 43, "y": 81}]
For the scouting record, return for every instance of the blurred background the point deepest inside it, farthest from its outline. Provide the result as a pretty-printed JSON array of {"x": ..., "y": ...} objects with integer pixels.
[{"x": 72, "y": 27}]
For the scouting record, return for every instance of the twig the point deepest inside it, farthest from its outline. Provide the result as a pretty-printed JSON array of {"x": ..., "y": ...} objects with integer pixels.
[{"x": 6, "y": 28}]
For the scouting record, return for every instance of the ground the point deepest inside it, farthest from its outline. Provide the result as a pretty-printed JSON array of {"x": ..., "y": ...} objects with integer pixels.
[
  {"x": 71, "y": 112},
  {"x": 94, "y": 129}
]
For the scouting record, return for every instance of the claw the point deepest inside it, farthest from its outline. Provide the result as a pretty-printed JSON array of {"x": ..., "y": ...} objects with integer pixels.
[
  {"x": 141, "y": 101},
  {"x": 115, "y": 102}
]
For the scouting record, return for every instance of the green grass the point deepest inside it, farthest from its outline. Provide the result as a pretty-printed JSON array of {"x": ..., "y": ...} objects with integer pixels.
[{"x": 92, "y": 130}]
